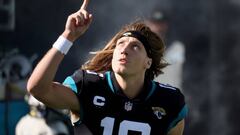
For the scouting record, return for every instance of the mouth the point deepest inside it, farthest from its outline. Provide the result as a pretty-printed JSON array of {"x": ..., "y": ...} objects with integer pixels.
[{"x": 123, "y": 61}]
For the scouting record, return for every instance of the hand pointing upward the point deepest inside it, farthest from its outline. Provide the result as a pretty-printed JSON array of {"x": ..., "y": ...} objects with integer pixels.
[
  {"x": 85, "y": 4},
  {"x": 77, "y": 23}
]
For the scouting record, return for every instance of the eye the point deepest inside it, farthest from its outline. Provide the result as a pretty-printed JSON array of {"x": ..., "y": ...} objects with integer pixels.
[
  {"x": 119, "y": 43},
  {"x": 136, "y": 47}
]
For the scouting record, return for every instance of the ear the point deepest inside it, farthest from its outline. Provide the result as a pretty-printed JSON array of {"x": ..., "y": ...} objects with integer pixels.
[{"x": 148, "y": 63}]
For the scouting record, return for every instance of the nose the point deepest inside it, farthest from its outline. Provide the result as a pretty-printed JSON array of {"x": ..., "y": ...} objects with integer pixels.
[{"x": 124, "y": 50}]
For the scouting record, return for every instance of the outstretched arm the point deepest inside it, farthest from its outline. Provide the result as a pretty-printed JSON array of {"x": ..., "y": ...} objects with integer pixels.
[{"x": 40, "y": 83}]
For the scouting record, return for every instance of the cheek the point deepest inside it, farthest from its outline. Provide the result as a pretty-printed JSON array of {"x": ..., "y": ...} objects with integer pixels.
[
  {"x": 114, "y": 59},
  {"x": 142, "y": 62},
  {"x": 114, "y": 56},
  {"x": 113, "y": 64}
]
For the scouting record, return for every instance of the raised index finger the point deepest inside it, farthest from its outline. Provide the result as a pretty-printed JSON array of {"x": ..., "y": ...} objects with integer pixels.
[{"x": 84, "y": 5}]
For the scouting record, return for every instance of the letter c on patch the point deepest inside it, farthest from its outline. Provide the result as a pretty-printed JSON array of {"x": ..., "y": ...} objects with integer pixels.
[{"x": 99, "y": 101}]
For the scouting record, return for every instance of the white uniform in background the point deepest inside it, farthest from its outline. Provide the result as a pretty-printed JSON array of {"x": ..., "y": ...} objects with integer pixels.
[
  {"x": 35, "y": 124},
  {"x": 175, "y": 56}
]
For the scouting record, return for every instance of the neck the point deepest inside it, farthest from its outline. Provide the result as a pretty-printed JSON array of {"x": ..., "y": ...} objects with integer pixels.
[{"x": 131, "y": 85}]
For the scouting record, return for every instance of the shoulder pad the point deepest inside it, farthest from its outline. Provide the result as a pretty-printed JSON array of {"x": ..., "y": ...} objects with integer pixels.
[
  {"x": 94, "y": 73},
  {"x": 167, "y": 86}
]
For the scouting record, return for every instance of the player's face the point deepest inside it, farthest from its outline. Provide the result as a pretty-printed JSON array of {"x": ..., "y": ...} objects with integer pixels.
[{"x": 130, "y": 57}]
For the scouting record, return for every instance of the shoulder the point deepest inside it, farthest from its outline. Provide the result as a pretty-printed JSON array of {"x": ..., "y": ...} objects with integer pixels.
[
  {"x": 82, "y": 78},
  {"x": 173, "y": 100},
  {"x": 167, "y": 89},
  {"x": 93, "y": 75},
  {"x": 171, "y": 95},
  {"x": 80, "y": 75}
]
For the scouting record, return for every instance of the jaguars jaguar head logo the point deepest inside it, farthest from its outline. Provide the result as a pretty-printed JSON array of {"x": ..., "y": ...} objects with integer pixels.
[{"x": 159, "y": 112}]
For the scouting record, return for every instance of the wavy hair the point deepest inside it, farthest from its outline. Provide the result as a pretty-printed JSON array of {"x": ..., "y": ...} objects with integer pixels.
[{"x": 102, "y": 61}]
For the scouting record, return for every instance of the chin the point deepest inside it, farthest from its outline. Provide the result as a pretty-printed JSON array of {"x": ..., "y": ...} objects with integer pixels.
[{"x": 120, "y": 70}]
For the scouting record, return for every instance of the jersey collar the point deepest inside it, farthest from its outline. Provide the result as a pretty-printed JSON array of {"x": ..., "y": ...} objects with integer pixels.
[{"x": 144, "y": 94}]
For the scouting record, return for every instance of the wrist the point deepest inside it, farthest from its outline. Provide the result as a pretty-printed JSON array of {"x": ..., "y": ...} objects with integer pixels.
[
  {"x": 68, "y": 35},
  {"x": 62, "y": 44}
]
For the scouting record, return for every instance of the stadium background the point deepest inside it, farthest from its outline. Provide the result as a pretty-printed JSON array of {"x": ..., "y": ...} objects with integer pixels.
[{"x": 209, "y": 29}]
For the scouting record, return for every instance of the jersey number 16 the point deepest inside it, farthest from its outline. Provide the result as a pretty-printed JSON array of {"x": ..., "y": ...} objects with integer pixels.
[{"x": 108, "y": 123}]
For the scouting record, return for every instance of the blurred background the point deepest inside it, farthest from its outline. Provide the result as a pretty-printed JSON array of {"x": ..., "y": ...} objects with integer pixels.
[{"x": 207, "y": 30}]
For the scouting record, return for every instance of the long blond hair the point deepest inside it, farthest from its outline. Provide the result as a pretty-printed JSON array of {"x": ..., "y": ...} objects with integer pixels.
[{"x": 102, "y": 61}]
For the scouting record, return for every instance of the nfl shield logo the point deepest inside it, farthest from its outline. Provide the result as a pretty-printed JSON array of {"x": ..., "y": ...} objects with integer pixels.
[{"x": 128, "y": 106}]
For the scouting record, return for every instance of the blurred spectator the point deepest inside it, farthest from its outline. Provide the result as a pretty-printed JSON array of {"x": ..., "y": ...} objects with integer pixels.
[
  {"x": 158, "y": 22},
  {"x": 43, "y": 120},
  {"x": 14, "y": 70}
]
